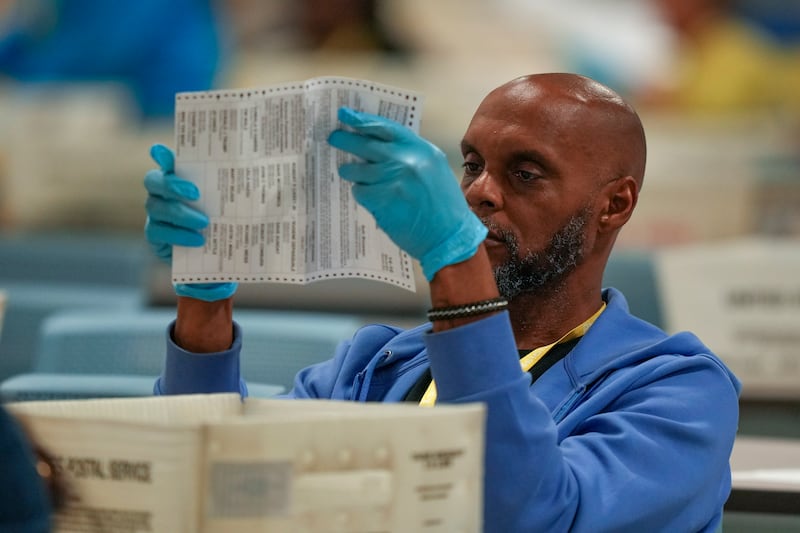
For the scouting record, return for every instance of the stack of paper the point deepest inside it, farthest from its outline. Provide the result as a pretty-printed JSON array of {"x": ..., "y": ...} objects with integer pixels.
[{"x": 215, "y": 463}]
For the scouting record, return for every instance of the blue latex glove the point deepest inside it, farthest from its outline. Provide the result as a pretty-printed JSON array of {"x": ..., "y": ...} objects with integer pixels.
[
  {"x": 408, "y": 186},
  {"x": 172, "y": 221}
]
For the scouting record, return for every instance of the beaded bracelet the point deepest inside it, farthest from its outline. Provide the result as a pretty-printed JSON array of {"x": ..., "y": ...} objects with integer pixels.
[{"x": 465, "y": 310}]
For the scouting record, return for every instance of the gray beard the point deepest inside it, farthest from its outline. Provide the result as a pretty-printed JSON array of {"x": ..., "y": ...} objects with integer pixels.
[{"x": 541, "y": 271}]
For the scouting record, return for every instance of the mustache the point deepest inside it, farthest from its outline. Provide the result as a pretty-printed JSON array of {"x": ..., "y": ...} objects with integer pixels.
[{"x": 499, "y": 232}]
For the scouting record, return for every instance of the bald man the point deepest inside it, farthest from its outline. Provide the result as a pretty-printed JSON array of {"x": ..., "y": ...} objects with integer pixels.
[{"x": 596, "y": 420}]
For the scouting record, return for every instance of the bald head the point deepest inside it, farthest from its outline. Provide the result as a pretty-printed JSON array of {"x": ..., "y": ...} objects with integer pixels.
[
  {"x": 580, "y": 111},
  {"x": 553, "y": 165}
]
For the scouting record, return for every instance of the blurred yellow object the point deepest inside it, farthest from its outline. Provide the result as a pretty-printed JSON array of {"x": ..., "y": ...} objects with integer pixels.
[{"x": 732, "y": 67}]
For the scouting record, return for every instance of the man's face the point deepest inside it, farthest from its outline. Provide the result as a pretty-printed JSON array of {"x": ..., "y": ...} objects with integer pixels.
[{"x": 531, "y": 179}]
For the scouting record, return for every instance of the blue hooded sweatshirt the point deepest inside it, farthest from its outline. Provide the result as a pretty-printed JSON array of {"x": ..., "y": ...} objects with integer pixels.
[{"x": 631, "y": 431}]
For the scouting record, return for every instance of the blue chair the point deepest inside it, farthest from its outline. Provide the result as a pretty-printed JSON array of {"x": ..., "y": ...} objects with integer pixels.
[
  {"x": 633, "y": 272},
  {"x": 74, "y": 258},
  {"x": 29, "y": 303},
  {"x": 46, "y": 272},
  {"x": 45, "y": 386},
  {"x": 80, "y": 349},
  {"x": 100, "y": 342}
]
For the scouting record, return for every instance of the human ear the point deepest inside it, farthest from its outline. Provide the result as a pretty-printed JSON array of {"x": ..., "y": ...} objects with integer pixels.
[{"x": 621, "y": 196}]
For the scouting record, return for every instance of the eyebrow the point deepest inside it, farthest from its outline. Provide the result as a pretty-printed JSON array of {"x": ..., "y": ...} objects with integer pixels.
[
  {"x": 517, "y": 156},
  {"x": 529, "y": 155},
  {"x": 466, "y": 147}
]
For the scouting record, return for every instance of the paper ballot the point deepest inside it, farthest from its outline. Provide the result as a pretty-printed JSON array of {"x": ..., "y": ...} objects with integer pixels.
[
  {"x": 269, "y": 183},
  {"x": 215, "y": 463}
]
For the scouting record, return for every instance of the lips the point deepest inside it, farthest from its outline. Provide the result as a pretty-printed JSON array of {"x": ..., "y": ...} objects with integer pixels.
[{"x": 493, "y": 238}]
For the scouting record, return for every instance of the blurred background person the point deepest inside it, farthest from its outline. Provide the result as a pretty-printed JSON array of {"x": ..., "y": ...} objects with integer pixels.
[
  {"x": 727, "y": 59},
  {"x": 349, "y": 26},
  {"x": 346, "y": 26},
  {"x": 80, "y": 82},
  {"x": 283, "y": 40},
  {"x": 151, "y": 48}
]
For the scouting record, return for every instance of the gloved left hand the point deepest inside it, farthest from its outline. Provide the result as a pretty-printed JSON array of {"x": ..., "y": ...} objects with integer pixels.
[
  {"x": 172, "y": 221},
  {"x": 408, "y": 186}
]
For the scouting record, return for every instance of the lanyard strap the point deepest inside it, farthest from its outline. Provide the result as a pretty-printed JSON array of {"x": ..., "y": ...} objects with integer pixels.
[{"x": 527, "y": 362}]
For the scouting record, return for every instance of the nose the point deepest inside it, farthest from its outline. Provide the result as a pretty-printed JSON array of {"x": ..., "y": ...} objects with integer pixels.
[{"x": 483, "y": 194}]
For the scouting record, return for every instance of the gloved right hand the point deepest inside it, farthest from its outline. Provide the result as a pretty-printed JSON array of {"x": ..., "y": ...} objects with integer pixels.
[
  {"x": 172, "y": 221},
  {"x": 407, "y": 185}
]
